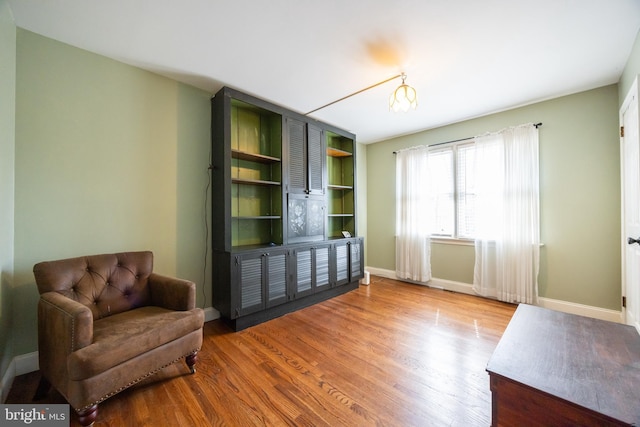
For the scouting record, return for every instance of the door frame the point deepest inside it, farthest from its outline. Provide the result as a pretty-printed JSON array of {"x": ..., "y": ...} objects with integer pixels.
[{"x": 631, "y": 96}]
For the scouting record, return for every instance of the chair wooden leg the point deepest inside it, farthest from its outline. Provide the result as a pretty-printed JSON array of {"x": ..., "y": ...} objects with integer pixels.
[
  {"x": 88, "y": 416},
  {"x": 44, "y": 386},
  {"x": 191, "y": 361}
]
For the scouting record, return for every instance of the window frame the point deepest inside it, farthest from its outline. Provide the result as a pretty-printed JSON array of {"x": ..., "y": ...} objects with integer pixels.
[{"x": 454, "y": 239}]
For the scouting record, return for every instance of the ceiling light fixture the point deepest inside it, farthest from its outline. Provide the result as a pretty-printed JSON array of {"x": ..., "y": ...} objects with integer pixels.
[{"x": 403, "y": 98}]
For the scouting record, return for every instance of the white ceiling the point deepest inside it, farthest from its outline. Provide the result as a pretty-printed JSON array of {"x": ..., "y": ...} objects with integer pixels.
[{"x": 466, "y": 58}]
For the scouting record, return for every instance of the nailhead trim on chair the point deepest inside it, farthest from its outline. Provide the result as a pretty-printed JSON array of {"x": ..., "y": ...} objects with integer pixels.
[
  {"x": 147, "y": 375},
  {"x": 73, "y": 324}
]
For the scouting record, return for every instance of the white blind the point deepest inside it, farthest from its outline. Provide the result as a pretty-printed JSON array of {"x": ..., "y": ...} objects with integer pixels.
[
  {"x": 442, "y": 192},
  {"x": 466, "y": 191}
]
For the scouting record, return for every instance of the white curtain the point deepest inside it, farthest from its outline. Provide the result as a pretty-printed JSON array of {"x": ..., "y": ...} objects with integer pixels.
[
  {"x": 413, "y": 246},
  {"x": 508, "y": 218}
]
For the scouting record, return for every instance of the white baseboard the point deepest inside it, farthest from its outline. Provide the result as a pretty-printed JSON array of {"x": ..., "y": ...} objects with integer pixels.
[
  {"x": 210, "y": 314},
  {"x": 381, "y": 272},
  {"x": 553, "y": 304},
  {"x": 25, "y": 363},
  {"x": 447, "y": 285},
  {"x": 20, "y": 365},
  {"x": 450, "y": 285},
  {"x": 581, "y": 309},
  {"x": 7, "y": 380}
]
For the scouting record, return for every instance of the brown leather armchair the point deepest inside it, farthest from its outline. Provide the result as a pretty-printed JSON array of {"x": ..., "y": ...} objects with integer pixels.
[{"x": 106, "y": 322}]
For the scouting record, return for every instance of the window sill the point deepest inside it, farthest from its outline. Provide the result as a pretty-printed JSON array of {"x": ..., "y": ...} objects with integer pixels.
[
  {"x": 460, "y": 242},
  {"x": 452, "y": 241},
  {"x": 441, "y": 240}
]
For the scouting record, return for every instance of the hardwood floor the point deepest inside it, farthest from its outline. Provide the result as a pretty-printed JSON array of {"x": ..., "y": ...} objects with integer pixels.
[{"x": 391, "y": 354}]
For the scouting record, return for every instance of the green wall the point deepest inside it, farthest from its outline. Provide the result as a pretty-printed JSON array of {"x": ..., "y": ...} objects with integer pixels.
[
  {"x": 580, "y": 197},
  {"x": 7, "y": 155},
  {"x": 361, "y": 201},
  {"x": 108, "y": 158}
]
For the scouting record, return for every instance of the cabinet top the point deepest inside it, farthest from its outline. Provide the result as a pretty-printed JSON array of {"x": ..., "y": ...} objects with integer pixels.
[
  {"x": 274, "y": 247},
  {"x": 589, "y": 362},
  {"x": 231, "y": 93}
]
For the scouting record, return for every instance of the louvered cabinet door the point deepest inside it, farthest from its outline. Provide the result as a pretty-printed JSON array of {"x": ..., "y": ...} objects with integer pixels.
[
  {"x": 321, "y": 267},
  {"x": 303, "y": 277},
  {"x": 306, "y": 157},
  {"x": 341, "y": 262},
  {"x": 277, "y": 271},
  {"x": 356, "y": 259},
  {"x": 297, "y": 155},
  {"x": 316, "y": 154},
  {"x": 249, "y": 290}
]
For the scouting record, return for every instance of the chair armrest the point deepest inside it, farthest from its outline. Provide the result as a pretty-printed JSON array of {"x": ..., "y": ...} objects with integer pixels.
[
  {"x": 172, "y": 293},
  {"x": 64, "y": 326},
  {"x": 64, "y": 320}
]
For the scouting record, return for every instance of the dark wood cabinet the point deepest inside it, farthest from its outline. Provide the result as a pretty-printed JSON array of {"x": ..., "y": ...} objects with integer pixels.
[
  {"x": 558, "y": 369},
  {"x": 283, "y": 192}
]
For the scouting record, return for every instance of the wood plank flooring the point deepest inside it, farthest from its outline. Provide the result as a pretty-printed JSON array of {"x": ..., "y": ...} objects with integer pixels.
[{"x": 389, "y": 354}]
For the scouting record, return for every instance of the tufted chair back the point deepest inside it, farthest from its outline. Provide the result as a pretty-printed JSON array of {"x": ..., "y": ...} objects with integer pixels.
[{"x": 107, "y": 284}]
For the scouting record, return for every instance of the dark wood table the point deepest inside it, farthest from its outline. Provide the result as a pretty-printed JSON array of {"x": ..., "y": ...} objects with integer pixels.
[{"x": 557, "y": 369}]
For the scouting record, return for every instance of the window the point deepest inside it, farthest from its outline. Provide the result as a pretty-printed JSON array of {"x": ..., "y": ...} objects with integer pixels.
[
  {"x": 441, "y": 194},
  {"x": 452, "y": 190},
  {"x": 466, "y": 192}
]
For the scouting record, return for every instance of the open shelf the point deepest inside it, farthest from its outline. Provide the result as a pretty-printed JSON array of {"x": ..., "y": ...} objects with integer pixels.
[
  {"x": 340, "y": 191},
  {"x": 339, "y": 187},
  {"x": 336, "y": 152},
  {"x": 253, "y": 181},
  {"x": 340, "y": 167},
  {"x": 256, "y": 201},
  {"x": 340, "y": 201},
  {"x": 256, "y": 175},
  {"x": 256, "y": 133},
  {"x": 256, "y": 231},
  {"x": 338, "y": 224},
  {"x": 339, "y": 145},
  {"x": 252, "y": 157}
]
